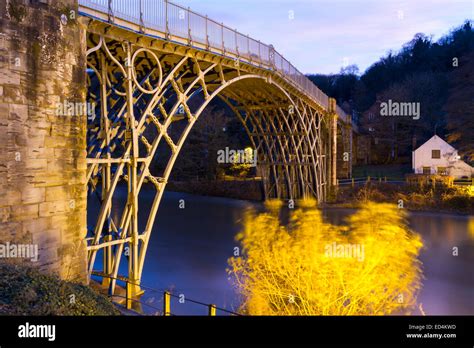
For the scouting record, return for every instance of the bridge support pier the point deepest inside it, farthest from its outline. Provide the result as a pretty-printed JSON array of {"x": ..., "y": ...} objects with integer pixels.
[
  {"x": 332, "y": 163},
  {"x": 43, "y": 138},
  {"x": 344, "y": 151}
]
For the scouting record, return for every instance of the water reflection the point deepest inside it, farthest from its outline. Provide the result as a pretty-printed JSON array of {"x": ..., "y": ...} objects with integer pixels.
[{"x": 189, "y": 248}]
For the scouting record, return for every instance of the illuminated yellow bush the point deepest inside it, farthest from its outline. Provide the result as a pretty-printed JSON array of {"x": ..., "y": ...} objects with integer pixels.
[
  {"x": 311, "y": 267},
  {"x": 465, "y": 191},
  {"x": 241, "y": 165}
]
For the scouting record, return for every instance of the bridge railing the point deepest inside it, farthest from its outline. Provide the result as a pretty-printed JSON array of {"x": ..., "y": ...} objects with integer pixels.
[
  {"x": 165, "y": 295},
  {"x": 175, "y": 20},
  {"x": 407, "y": 180}
]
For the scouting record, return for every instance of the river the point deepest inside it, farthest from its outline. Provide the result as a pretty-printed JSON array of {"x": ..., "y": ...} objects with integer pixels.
[{"x": 189, "y": 248}]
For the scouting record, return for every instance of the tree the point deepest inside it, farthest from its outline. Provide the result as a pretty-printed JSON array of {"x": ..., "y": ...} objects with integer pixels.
[
  {"x": 339, "y": 86},
  {"x": 460, "y": 107},
  {"x": 417, "y": 57},
  {"x": 397, "y": 135},
  {"x": 301, "y": 269},
  {"x": 198, "y": 158}
]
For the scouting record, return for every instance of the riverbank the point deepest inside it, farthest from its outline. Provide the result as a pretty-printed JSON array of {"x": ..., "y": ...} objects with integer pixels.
[
  {"x": 451, "y": 200},
  {"x": 443, "y": 199}
]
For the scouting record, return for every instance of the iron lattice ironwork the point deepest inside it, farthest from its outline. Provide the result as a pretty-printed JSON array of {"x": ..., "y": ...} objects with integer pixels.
[{"x": 148, "y": 94}]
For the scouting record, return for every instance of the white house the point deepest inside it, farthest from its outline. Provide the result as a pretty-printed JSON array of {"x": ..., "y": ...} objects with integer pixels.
[{"x": 436, "y": 156}]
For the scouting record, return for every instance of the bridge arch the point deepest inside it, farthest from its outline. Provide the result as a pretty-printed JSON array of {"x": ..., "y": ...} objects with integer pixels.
[{"x": 140, "y": 91}]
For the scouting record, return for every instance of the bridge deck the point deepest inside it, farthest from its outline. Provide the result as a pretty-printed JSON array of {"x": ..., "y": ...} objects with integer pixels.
[{"x": 168, "y": 21}]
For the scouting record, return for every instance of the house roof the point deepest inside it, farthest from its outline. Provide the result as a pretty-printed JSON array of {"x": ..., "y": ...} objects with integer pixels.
[{"x": 436, "y": 141}]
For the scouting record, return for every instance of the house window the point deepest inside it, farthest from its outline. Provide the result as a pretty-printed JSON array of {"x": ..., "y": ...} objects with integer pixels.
[
  {"x": 442, "y": 171},
  {"x": 435, "y": 153},
  {"x": 427, "y": 170}
]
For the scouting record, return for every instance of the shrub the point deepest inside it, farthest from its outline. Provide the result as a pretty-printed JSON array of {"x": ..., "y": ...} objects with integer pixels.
[
  {"x": 26, "y": 291},
  {"x": 286, "y": 270},
  {"x": 370, "y": 193},
  {"x": 459, "y": 202}
]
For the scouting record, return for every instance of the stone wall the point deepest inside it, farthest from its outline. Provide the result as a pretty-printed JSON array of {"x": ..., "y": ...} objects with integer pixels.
[
  {"x": 344, "y": 151},
  {"x": 43, "y": 153},
  {"x": 363, "y": 149}
]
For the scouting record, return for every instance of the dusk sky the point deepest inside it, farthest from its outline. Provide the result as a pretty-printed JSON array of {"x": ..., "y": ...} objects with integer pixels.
[{"x": 324, "y": 35}]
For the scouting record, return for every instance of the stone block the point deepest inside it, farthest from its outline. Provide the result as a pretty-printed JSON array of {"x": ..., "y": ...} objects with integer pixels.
[
  {"x": 53, "y": 208},
  {"x": 13, "y": 197},
  {"x": 55, "y": 193},
  {"x": 10, "y": 77},
  {"x": 55, "y": 142},
  {"x": 36, "y": 226},
  {"x": 19, "y": 112},
  {"x": 35, "y": 140},
  {"x": 5, "y": 214},
  {"x": 31, "y": 194},
  {"x": 47, "y": 238},
  {"x": 4, "y": 110},
  {"x": 24, "y": 212},
  {"x": 32, "y": 164}
]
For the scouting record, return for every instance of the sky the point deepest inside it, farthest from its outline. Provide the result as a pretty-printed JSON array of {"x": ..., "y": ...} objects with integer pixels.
[{"x": 321, "y": 36}]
